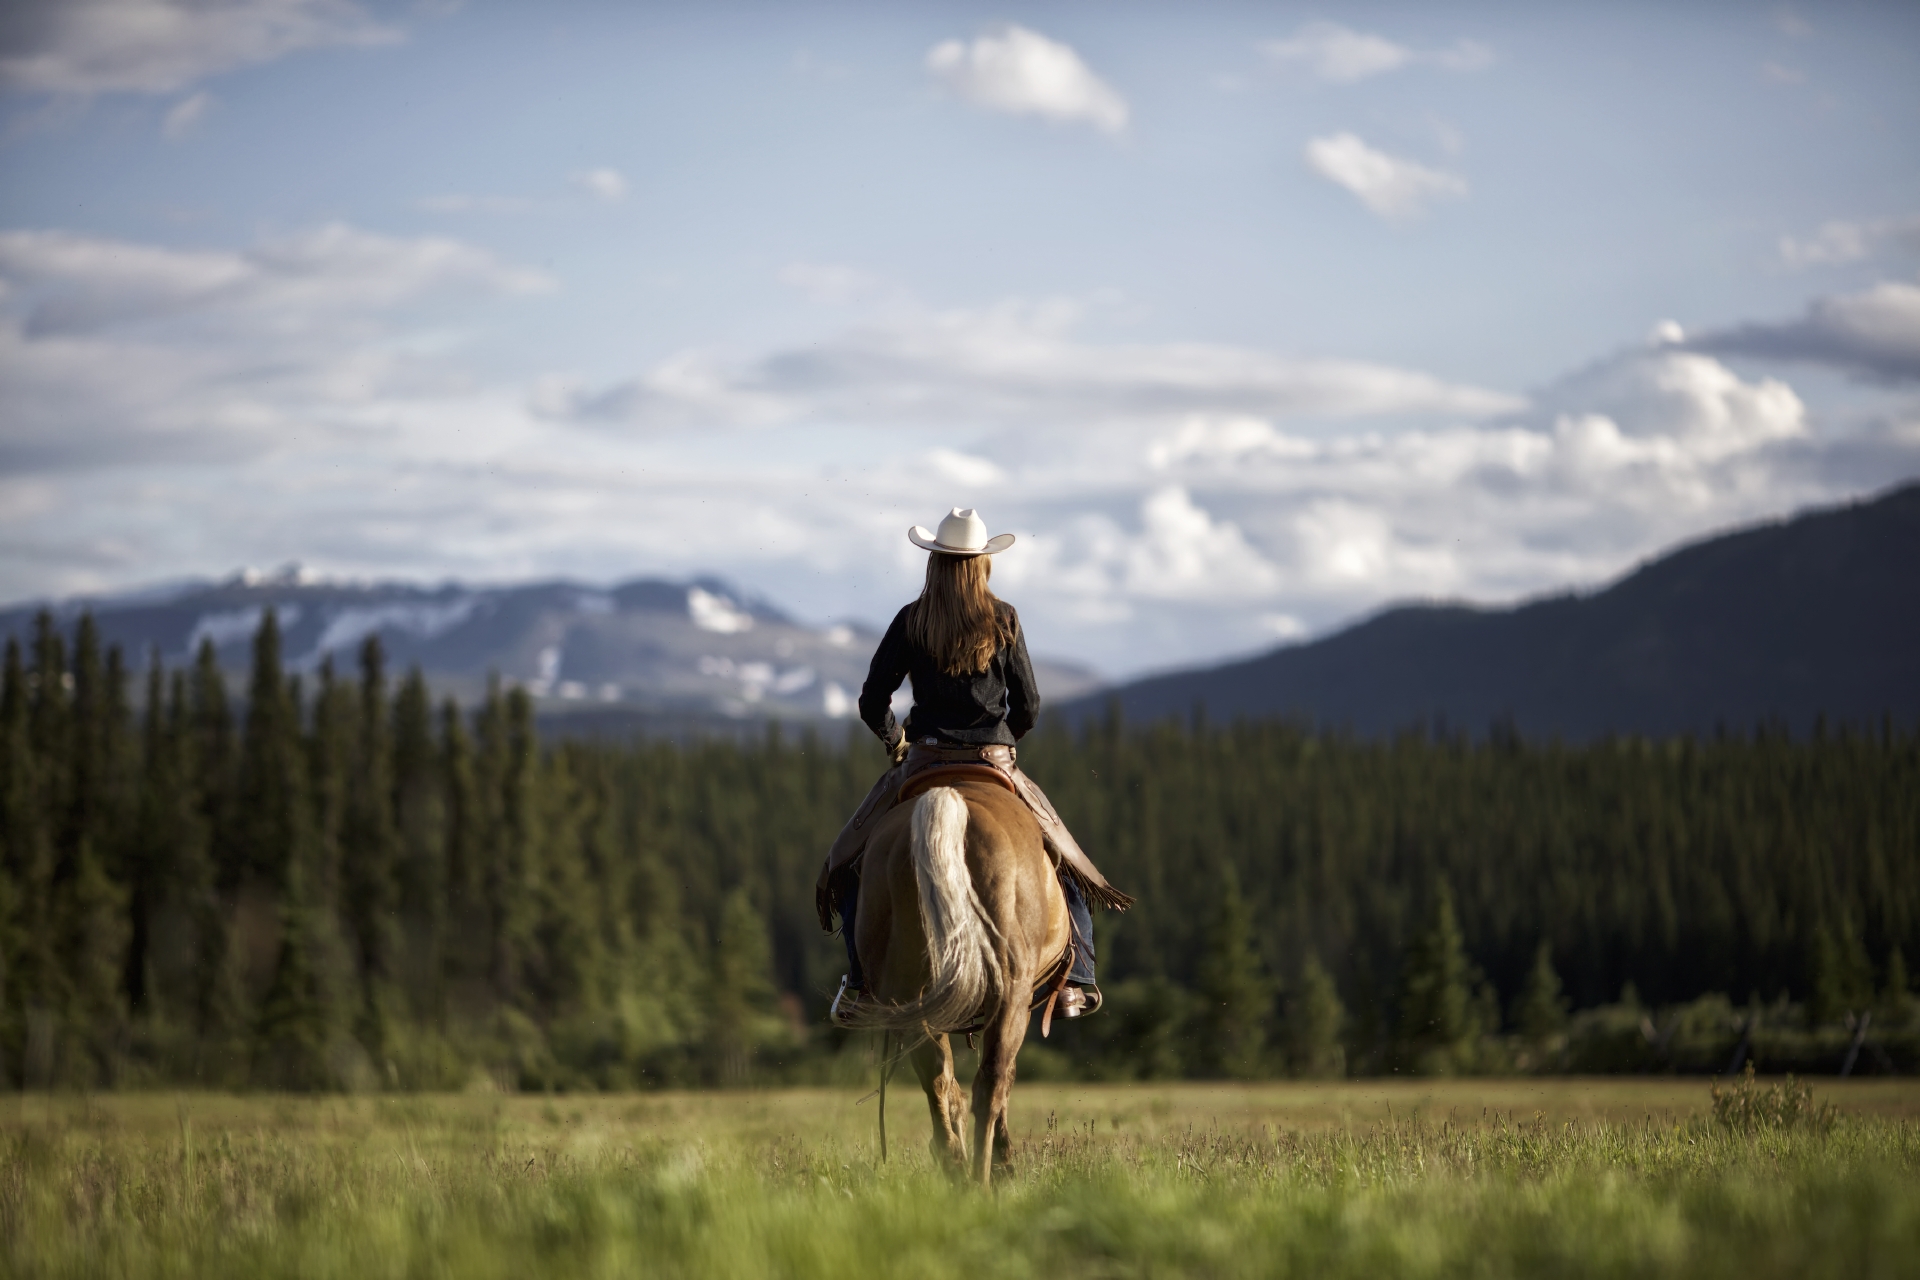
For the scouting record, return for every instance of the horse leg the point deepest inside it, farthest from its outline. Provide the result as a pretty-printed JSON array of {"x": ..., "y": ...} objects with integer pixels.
[
  {"x": 1000, "y": 1043},
  {"x": 933, "y": 1063}
]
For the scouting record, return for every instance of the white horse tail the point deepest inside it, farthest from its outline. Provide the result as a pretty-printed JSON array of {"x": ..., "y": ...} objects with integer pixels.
[{"x": 962, "y": 943}]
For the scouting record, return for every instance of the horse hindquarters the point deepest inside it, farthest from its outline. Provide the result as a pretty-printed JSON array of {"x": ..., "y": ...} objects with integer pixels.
[
  {"x": 961, "y": 940},
  {"x": 936, "y": 964}
]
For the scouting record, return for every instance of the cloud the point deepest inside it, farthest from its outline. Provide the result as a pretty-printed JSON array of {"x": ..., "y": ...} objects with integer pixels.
[
  {"x": 965, "y": 468},
  {"x": 1341, "y": 55},
  {"x": 602, "y": 184},
  {"x": 81, "y": 47},
  {"x": 1015, "y": 363},
  {"x": 834, "y": 283},
  {"x": 1839, "y": 242},
  {"x": 1174, "y": 501},
  {"x": 64, "y": 283},
  {"x": 1389, "y": 186},
  {"x": 185, "y": 115},
  {"x": 1612, "y": 462},
  {"x": 1875, "y": 332},
  {"x": 114, "y": 352},
  {"x": 1021, "y": 72}
]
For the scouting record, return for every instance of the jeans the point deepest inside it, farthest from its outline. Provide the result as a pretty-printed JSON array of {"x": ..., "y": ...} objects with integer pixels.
[{"x": 1081, "y": 920}]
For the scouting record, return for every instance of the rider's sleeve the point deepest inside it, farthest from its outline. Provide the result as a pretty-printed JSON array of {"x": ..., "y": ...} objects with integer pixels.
[
  {"x": 889, "y": 668},
  {"x": 1023, "y": 691}
]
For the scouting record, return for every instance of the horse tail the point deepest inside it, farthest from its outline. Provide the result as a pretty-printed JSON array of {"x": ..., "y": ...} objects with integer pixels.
[{"x": 962, "y": 942}]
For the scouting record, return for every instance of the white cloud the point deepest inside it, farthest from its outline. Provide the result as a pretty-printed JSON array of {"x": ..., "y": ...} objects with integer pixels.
[
  {"x": 185, "y": 115},
  {"x": 1024, "y": 73},
  {"x": 1613, "y": 462},
  {"x": 602, "y": 184},
  {"x": 1839, "y": 242},
  {"x": 1874, "y": 332},
  {"x": 966, "y": 469},
  {"x": 1172, "y": 503},
  {"x": 163, "y": 46},
  {"x": 1341, "y": 55},
  {"x": 114, "y": 352},
  {"x": 833, "y": 283},
  {"x": 1389, "y": 186},
  {"x": 1015, "y": 363},
  {"x": 64, "y": 282},
  {"x": 1184, "y": 551}
]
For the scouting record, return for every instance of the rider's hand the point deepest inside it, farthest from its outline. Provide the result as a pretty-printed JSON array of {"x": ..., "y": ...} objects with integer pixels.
[{"x": 899, "y": 749}]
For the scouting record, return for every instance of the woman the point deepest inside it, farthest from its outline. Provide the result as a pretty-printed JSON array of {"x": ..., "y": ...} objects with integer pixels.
[{"x": 973, "y": 698}]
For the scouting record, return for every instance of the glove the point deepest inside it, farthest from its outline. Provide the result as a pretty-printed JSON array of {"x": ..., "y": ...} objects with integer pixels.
[{"x": 899, "y": 749}]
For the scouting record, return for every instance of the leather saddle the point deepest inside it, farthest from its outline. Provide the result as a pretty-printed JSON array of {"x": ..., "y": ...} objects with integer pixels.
[{"x": 942, "y": 775}]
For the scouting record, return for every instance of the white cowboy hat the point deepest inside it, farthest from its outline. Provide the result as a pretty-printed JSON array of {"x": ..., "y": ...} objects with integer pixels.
[{"x": 963, "y": 533}]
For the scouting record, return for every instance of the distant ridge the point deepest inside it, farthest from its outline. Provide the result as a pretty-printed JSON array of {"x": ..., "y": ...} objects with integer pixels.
[
  {"x": 650, "y": 656},
  {"x": 1818, "y": 615}
]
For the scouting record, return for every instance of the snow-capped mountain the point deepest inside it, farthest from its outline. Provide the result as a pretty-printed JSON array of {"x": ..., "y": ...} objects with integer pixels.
[{"x": 686, "y": 652}]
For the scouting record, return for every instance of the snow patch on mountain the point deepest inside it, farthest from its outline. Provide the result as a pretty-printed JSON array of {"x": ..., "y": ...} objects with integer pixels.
[{"x": 230, "y": 626}]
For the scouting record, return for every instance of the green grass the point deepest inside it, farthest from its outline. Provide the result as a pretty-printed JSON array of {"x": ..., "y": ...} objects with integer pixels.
[{"x": 1480, "y": 1178}]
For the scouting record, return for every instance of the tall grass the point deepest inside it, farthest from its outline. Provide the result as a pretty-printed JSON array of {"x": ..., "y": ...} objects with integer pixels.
[{"x": 1107, "y": 1182}]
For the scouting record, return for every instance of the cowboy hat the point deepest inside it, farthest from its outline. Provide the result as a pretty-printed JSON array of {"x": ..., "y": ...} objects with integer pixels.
[{"x": 963, "y": 533}]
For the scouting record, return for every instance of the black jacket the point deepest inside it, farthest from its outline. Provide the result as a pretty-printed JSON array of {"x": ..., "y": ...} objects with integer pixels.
[{"x": 997, "y": 705}]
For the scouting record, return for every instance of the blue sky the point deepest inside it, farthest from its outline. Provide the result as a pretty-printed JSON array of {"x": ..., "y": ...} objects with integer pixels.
[{"x": 1247, "y": 318}]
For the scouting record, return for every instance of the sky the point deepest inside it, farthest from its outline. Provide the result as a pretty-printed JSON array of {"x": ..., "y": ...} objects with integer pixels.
[{"x": 1247, "y": 319}]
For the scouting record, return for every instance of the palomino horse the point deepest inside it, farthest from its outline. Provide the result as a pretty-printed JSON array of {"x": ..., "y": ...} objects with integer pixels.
[{"x": 960, "y": 916}]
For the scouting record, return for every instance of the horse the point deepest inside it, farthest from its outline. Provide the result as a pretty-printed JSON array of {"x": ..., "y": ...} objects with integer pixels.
[{"x": 960, "y": 917}]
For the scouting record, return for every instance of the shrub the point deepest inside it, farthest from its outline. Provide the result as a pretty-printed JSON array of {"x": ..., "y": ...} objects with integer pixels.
[{"x": 1747, "y": 1107}]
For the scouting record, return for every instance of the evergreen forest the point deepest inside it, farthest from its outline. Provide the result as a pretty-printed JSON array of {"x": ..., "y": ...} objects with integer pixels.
[{"x": 325, "y": 881}]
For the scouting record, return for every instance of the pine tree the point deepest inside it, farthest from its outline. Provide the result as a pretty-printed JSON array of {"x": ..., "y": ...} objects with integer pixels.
[
  {"x": 1541, "y": 1010},
  {"x": 25, "y": 864},
  {"x": 1315, "y": 1018},
  {"x": 268, "y": 822},
  {"x": 89, "y": 902},
  {"x": 1235, "y": 998},
  {"x": 466, "y": 961},
  {"x": 213, "y": 765},
  {"x": 1896, "y": 997},
  {"x": 294, "y": 1038},
  {"x": 330, "y": 751},
  {"x": 370, "y": 895},
  {"x": 743, "y": 1011},
  {"x": 41, "y": 831},
  {"x": 508, "y": 762},
  {"x": 152, "y": 844},
  {"x": 1839, "y": 976},
  {"x": 1435, "y": 1015},
  {"x": 211, "y": 874},
  {"x": 420, "y": 822}
]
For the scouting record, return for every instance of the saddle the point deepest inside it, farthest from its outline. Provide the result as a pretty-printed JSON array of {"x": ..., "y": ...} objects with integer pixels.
[
  {"x": 941, "y": 775},
  {"x": 929, "y": 765}
]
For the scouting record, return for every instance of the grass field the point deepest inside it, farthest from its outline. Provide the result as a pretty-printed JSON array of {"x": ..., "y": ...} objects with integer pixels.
[{"x": 1481, "y": 1178}]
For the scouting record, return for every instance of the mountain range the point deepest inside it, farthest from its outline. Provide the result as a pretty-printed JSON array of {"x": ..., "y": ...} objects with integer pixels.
[
  {"x": 648, "y": 655},
  {"x": 1782, "y": 623},
  {"x": 1818, "y": 615}
]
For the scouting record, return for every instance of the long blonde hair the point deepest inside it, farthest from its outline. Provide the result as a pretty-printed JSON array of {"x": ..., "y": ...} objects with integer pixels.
[{"x": 957, "y": 619}]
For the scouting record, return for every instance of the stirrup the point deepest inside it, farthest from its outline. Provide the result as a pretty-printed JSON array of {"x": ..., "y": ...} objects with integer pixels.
[
  {"x": 1079, "y": 1002},
  {"x": 844, "y": 1002}
]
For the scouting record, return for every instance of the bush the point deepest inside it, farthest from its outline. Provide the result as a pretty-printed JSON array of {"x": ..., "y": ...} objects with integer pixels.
[{"x": 1747, "y": 1107}]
